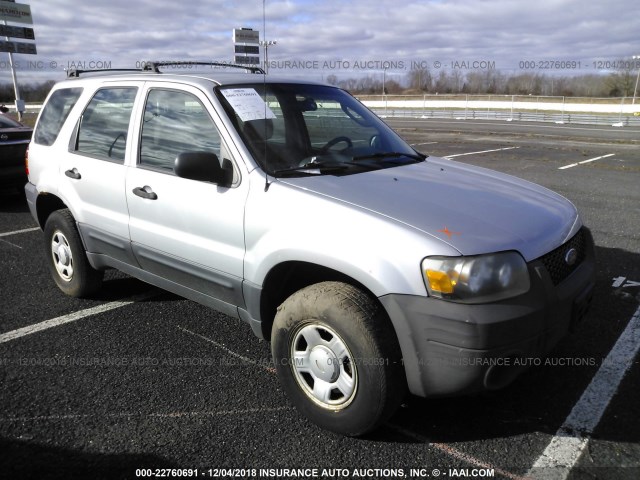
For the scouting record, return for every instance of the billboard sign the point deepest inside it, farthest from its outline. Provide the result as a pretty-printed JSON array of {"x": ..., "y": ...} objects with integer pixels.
[
  {"x": 246, "y": 35},
  {"x": 17, "y": 32},
  {"x": 18, "y": 47},
  {"x": 247, "y": 46},
  {"x": 15, "y": 12},
  {"x": 245, "y": 60},
  {"x": 251, "y": 49}
]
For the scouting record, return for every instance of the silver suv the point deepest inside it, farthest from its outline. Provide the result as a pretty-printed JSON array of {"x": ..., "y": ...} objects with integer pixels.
[{"x": 371, "y": 268}]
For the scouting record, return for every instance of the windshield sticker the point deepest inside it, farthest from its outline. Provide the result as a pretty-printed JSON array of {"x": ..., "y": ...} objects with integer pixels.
[{"x": 248, "y": 104}]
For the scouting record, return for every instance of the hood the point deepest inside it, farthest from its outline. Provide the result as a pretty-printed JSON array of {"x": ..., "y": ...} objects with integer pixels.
[{"x": 472, "y": 209}]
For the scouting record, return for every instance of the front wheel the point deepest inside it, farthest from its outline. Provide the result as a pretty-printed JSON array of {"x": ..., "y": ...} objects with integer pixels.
[
  {"x": 337, "y": 357},
  {"x": 66, "y": 257}
]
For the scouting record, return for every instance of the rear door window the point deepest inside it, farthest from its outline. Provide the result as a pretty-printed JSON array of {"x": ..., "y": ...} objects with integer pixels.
[{"x": 103, "y": 127}]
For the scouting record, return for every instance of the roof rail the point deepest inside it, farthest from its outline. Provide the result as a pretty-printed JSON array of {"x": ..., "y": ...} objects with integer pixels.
[
  {"x": 155, "y": 66},
  {"x": 75, "y": 73}
]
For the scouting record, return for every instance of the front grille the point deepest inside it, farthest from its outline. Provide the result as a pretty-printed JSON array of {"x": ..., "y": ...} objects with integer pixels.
[{"x": 555, "y": 263}]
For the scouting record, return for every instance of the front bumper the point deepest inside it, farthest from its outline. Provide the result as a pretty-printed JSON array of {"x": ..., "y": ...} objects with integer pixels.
[{"x": 451, "y": 348}]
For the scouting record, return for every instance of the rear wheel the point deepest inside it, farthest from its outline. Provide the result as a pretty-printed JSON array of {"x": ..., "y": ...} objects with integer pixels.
[
  {"x": 337, "y": 357},
  {"x": 66, "y": 257}
]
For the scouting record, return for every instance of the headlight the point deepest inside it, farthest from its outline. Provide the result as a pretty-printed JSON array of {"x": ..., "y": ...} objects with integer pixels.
[{"x": 481, "y": 279}]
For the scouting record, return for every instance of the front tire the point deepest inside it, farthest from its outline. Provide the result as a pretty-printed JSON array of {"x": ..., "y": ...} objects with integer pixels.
[
  {"x": 66, "y": 256},
  {"x": 337, "y": 358}
]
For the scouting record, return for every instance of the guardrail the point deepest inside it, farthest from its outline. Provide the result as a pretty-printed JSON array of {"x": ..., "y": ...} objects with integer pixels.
[
  {"x": 620, "y": 112},
  {"x": 569, "y": 118}
]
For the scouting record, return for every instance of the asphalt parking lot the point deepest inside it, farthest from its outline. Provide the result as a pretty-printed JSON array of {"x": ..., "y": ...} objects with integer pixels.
[{"x": 138, "y": 382}]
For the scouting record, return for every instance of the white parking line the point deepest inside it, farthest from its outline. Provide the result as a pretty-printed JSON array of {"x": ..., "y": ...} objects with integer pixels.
[
  {"x": 586, "y": 161},
  {"x": 423, "y": 143},
  {"x": 72, "y": 317},
  {"x": 81, "y": 416},
  {"x": 483, "y": 151},
  {"x": 229, "y": 351},
  {"x": 12, "y": 244},
  {"x": 15, "y": 232},
  {"x": 571, "y": 439}
]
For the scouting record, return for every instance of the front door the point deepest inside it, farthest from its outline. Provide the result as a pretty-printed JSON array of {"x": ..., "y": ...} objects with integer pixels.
[{"x": 186, "y": 231}]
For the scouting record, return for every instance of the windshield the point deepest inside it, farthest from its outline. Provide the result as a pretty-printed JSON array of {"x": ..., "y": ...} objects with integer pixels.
[{"x": 298, "y": 129}]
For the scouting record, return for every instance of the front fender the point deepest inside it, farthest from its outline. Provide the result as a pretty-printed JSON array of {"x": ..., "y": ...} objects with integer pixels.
[{"x": 290, "y": 224}]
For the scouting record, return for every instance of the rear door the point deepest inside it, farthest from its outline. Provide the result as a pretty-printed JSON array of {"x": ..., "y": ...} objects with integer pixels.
[
  {"x": 186, "y": 231},
  {"x": 93, "y": 170}
]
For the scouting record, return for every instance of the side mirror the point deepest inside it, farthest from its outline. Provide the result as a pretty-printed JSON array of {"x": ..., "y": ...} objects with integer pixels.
[{"x": 203, "y": 166}]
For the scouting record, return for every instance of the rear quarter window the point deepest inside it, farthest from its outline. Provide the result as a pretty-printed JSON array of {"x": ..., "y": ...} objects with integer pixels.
[{"x": 54, "y": 115}]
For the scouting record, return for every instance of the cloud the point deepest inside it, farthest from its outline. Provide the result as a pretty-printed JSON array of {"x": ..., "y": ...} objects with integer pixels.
[{"x": 124, "y": 32}]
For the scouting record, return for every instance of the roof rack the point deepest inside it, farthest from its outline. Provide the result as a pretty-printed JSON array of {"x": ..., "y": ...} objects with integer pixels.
[
  {"x": 154, "y": 67},
  {"x": 75, "y": 73}
]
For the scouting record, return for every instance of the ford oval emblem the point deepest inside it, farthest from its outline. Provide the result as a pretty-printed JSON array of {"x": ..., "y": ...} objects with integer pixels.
[{"x": 571, "y": 257}]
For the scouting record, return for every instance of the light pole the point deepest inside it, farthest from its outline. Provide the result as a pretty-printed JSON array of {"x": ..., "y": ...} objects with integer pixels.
[
  {"x": 384, "y": 90},
  {"x": 384, "y": 81},
  {"x": 16, "y": 88},
  {"x": 635, "y": 90},
  {"x": 266, "y": 44}
]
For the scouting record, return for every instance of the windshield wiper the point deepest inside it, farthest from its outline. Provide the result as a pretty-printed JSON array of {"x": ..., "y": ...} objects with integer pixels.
[
  {"x": 376, "y": 156},
  {"x": 316, "y": 165},
  {"x": 325, "y": 166}
]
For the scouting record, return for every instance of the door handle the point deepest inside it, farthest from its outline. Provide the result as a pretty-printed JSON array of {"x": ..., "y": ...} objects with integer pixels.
[
  {"x": 145, "y": 192},
  {"x": 73, "y": 173}
]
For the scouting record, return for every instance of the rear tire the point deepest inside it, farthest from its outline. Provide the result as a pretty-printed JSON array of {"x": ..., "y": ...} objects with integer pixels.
[
  {"x": 337, "y": 358},
  {"x": 66, "y": 256}
]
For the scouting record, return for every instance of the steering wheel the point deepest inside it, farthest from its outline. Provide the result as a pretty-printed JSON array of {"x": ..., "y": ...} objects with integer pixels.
[{"x": 335, "y": 141}]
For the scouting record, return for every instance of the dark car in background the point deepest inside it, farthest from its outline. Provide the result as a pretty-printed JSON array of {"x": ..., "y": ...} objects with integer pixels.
[{"x": 14, "y": 140}]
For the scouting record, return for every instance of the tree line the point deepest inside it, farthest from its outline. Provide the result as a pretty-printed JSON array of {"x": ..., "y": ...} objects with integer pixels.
[
  {"x": 495, "y": 82},
  {"x": 30, "y": 92}
]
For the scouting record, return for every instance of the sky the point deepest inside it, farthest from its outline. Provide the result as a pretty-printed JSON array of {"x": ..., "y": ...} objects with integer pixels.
[{"x": 344, "y": 38}]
